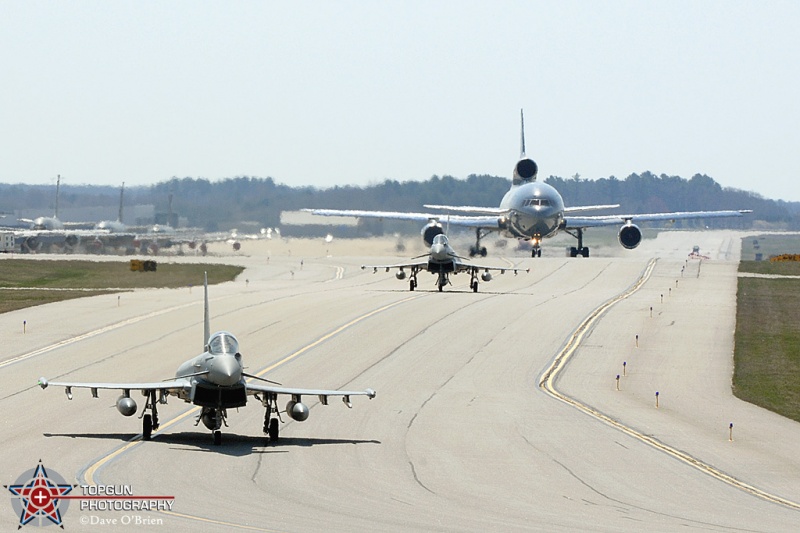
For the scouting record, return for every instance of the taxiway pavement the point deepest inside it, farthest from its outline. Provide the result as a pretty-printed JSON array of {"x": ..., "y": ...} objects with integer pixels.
[{"x": 461, "y": 436}]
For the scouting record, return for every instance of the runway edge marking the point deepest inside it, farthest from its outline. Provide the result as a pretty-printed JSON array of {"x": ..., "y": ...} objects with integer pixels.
[{"x": 547, "y": 383}]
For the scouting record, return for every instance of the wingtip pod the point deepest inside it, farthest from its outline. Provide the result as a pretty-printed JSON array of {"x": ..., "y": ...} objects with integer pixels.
[
  {"x": 370, "y": 393},
  {"x": 43, "y": 382}
]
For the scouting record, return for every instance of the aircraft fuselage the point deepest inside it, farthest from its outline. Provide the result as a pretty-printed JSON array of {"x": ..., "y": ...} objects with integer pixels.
[{"x": 536, "y": 211}]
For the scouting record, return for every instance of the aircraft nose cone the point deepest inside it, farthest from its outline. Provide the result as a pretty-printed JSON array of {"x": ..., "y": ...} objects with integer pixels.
[
  {"x": 225, "y": 371},
  {"x": 438, "y": 252}
]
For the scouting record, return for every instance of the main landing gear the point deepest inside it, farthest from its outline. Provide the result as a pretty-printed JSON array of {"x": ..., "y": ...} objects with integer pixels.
[
  {"x": 412, "y": 282},
  {"x": 473, "y": 280},
  {"x": 580, "y": 249},
  {"x": 150, "y": 420},
  {"x": 478, "y": 249},
  {"x": 271, "y": 424}
]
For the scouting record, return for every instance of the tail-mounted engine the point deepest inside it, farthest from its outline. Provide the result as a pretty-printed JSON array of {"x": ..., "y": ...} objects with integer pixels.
[
  {"x": 525, "y": 171},
  {"x": 630, "y": 236},
  {"x": 430, "y": 231}
]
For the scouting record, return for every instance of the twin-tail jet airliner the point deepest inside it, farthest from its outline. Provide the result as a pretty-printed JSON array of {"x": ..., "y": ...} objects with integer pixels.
[
  {"x": 215, "y": 381},
  {"x": 531, "y": 210},
  {"x": 443, "y": 261}
]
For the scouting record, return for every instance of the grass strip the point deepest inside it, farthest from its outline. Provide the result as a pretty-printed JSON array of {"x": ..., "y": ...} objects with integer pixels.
[
  {"x": 19, "y": 276},
  {"x": 767, "y": 353}
]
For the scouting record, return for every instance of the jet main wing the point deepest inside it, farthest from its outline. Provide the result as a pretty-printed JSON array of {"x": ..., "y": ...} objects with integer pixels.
[
  {"x": 610, "y": 220},
  {"x": 487, "y": 222},
  {"x": 143, "y": 386},
  {"x": 255, "y": 388},
  {"x": 575, "y": 209},
  {"x": 469, "y": 209},
  {"x": 419, "y": 265},
  {"x": 463, "y": 267}
]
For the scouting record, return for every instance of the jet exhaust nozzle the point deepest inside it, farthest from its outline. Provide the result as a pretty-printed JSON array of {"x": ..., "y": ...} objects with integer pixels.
[{"x": 126, "y": 405}]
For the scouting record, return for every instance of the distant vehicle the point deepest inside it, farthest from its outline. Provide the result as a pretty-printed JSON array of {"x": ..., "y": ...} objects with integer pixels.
[
  {"x": 443, "y": 261},
  {"x": 216, "y": 381},
  {"x": 696, "y": 253},
  {"x": 530, "y": 210}
]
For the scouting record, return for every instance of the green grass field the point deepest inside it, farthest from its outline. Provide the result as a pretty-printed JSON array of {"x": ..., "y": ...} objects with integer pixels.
[
  {"x": 25, "y": 282},
  {"x": 767, "y": 354}
]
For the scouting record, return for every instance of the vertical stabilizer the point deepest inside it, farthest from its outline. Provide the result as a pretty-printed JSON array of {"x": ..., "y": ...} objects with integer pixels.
[
  {"x": 521, "y": 135},
  {"x": 206, "y": 319}
]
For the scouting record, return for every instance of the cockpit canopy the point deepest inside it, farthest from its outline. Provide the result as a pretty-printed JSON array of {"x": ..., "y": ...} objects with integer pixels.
[
  {"x": 223, "y": 342},
  {"x": 542, "y": 202},
  {"x": 440, "y": 239}
]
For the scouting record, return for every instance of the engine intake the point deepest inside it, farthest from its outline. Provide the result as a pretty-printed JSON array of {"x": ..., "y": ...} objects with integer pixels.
[
  {"x": 630, "y": 236},
  {"x": 525, "y": 170}
]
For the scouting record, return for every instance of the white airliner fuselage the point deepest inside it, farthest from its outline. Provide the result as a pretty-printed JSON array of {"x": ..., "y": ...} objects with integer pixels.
[{"x": 535, "y": 211}]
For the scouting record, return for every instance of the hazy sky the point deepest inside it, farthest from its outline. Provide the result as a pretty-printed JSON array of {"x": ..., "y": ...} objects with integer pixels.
[{"x": 327, "y": 93}]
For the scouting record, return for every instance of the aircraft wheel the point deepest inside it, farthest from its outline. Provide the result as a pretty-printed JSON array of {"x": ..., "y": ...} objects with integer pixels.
[
  {"x": 217, "y": 438},
  {"x": 573, "y": 252},
  {"x": 483, "y": 251},
  {"x": 273, "y": 430},
  {"x": 539, "y": 252},
  {"x": 147, "y": 427},
  {"x": 440, "y": 288},
  {"x": 585, "y": 252},
  {"x": 473, "y": 251},
  {"x": 475, "y": 287},
  {"x": 411, "y": 285}
]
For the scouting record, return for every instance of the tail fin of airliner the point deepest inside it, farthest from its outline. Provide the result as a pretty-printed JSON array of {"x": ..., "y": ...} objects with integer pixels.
[
  {"x": 521, "y": 135},
  {"x": 206, "y": 319}
]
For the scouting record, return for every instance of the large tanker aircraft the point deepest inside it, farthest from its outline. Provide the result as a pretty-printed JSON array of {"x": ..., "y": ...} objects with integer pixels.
[{"x": 531, "y": 210}]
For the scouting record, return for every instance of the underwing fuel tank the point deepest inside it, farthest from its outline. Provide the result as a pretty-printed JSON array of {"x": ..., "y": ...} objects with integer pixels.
[{"x": 126, "y": 405}]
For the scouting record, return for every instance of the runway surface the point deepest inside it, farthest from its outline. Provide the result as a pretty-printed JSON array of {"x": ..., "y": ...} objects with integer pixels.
[{"x": 496, "y": 411}]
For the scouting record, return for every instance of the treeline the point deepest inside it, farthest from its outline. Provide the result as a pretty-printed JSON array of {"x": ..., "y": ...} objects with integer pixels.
[{"x": 234, "y": 202}]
